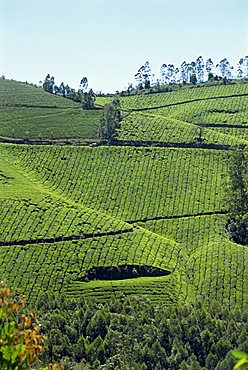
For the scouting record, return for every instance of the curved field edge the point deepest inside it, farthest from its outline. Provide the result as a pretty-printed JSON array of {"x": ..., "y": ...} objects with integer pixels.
[
  {"x": 151, "y": 129},
  {"x": 30, "y": 212},
  {"x": 63, "y": 265}
]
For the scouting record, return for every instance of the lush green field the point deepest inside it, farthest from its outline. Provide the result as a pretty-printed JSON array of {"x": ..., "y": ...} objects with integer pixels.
[
  {"x": 148, "y": 128},
  {"x": 229, "y": 111},
  {"x": 148, "y": 101},
  {"x": 19, "y": 94},
  {"x": 67, "y": 209},
  {"x": 48, "y": 123},
  {"x": 29, "y": 113},
  {"x": 130, "y": 183}
]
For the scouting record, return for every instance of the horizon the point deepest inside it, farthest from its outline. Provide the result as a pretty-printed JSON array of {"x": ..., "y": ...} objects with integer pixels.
[{"x": 109, "y": 43}]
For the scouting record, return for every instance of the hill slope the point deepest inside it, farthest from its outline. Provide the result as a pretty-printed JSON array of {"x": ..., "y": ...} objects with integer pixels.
[{"x": 131, "y": 218}]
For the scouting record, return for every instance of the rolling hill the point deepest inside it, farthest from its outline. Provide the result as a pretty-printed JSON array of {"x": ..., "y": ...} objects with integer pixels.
[{"x": 146, "y": 215}]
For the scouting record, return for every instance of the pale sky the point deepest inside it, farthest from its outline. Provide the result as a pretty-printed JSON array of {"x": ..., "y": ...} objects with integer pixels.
[{"x": 108, "y": 40}]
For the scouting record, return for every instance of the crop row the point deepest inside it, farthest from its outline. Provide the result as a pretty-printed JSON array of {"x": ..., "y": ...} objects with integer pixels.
[
  {"x": 190, "y": 232},
  {"x": 237, "y": 132},
  {"x": 139, "y": 127},
  {"x": 162, "y": 99},
  {"x": 39, "y": 123},
  {"x": 13, "y": 93},
  {"x": 131, "y": 183},
  {"x": 37, "y": 267},
  {"x": 24, "y": 220},
  {"x": 220, "y": 272},
  {"x": 218, "y": 111}
]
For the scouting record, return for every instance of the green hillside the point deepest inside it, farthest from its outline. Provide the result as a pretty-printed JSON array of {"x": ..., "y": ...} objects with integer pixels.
[
  {"x": 29, "y": 113},
  {"x": 145, "y": 215}
]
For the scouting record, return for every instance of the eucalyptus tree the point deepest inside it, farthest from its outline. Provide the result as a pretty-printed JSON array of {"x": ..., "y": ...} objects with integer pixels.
[
  {"x": 200, "y": 69},
  {"x": 143, "y": 76},
  {"x": 209, "y": 68},
  {"x": 225, "y": 68}
]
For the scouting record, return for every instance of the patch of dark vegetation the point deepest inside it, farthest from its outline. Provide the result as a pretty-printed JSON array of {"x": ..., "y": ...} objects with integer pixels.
[
  {"x": 229, "y": 111},
  {"x": 123, "y": 272},
  {"x": 237, "y": 231}
]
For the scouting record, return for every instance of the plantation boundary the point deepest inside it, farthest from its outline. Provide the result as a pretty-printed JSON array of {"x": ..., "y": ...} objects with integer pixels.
[
  {"x": 178, "y": 216},
  {"x": 65, "y": 238},
  {"x": 186, "y": 102}
]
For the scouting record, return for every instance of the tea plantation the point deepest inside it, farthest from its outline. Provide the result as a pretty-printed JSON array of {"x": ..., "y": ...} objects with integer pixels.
[{"x": 153, "y": 201}]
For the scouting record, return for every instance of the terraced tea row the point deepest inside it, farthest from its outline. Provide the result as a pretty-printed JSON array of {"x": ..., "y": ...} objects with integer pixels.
[
  {"x": 144, "y": 102},
  {"x": 47, "y": 123},
  {"x": 220, "y": 271},
  {"x": 30, "y": 212},
  {"x": 146, "y": 129},
  {"x": 229, "y": 111},
  {"x": 131, "y": 183},
  {"x": 23, "y": 222},
  {"x": 13, "y": 93},
  {"x": 63, "y": 265}
]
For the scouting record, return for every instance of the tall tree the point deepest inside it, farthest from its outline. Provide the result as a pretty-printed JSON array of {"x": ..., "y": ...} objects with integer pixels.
[
  {"x": 163, "y": 74},
  {"x": 240, "y": 73},
  {"x": 84, "y": 84},
  {"x": 245, "y": 63},
  {"x": 171, "y": 73},
  {"x": 143, "y": 76},
  {"x": 183, "y": 70},
  {"x": 225, "y": 68},
  {"x": 210, "y": 68},
  {"x": 48, "y": 84},
  {"x": 200, "y": 69}
]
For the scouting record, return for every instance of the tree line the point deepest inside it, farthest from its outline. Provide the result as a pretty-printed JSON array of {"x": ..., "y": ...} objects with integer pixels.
[
  {"x": 134, "y": 333},
  {"x": 83, "y": 95},
  {"x": 197, "y": 71}
]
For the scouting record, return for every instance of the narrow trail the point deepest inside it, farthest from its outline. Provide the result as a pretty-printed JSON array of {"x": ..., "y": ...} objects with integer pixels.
[{"x": 158, "y": 218}]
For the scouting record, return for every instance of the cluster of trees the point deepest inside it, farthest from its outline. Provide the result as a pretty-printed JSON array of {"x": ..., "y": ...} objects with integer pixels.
[
  {"x": 237, "y": 197},
  {"x": 83, "y": 95},
  {"x": 194, "y": 72},
  {"x": 134, "y": 333},
  {"x": 110, "y": 120}
]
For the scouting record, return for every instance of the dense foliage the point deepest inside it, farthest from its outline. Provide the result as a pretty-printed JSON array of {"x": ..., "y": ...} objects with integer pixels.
[
  {"x": 237, "y": 227},
  {"x": 134, "y": 333},
  {"x": 20, "y": 339}
]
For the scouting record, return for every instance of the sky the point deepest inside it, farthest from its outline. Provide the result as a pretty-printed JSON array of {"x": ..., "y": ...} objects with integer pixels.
[{"x": 109, "y": 40}]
